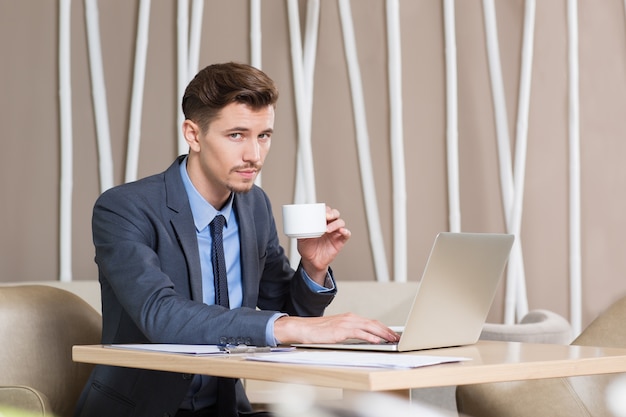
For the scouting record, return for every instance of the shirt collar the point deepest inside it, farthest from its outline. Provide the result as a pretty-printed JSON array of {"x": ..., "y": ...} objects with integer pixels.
[{"x": 203, "y": 212}]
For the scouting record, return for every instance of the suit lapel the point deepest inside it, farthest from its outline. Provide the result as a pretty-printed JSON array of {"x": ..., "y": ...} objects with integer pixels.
[
  {"x": 189, "y": 243},
  {"x": 182, "y": 223}
]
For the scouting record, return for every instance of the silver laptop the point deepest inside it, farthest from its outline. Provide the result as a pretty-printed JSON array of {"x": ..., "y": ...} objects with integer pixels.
[{"x": 455, "y": 294}]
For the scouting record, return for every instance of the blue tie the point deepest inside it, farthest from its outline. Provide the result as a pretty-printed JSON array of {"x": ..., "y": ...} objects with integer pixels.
[
  {"x": 219, "y": 264},
  {"x": 226, "y": 397}
]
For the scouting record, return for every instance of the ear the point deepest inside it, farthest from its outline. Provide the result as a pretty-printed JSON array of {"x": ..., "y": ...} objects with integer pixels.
[{"x": 191, "y": 133}]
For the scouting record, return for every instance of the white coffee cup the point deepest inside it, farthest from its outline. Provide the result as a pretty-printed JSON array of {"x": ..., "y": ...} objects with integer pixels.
[{"x": 303, "y": 221}]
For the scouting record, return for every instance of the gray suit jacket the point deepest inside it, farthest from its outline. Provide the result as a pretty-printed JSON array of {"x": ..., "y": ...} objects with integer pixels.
[{"x": 149, "y": 270}]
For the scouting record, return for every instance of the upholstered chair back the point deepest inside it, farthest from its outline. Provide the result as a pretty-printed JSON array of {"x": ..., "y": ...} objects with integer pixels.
[{"x": 38, "y": 327}]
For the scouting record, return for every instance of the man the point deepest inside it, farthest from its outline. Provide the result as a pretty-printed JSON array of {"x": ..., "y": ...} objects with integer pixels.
[{"x": 153, "y": 246}]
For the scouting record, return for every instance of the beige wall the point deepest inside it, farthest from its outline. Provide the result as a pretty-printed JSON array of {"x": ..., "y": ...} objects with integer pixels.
[{"x": 30, "y": 153}]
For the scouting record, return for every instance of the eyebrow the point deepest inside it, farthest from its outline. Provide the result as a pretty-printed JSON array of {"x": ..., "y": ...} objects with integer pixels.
[{"x": 245, "y": 129}]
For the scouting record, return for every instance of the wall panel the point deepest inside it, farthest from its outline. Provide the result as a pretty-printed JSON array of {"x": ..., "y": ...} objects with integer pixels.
[{"x": 29, "y": 129}]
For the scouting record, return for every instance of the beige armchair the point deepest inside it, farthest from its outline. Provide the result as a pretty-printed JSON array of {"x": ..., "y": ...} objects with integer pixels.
[
  {"x": 558, "y": 397},
  {"x": 38, "y": 327}
]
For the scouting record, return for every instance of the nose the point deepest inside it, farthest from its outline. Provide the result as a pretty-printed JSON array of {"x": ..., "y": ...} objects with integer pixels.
[{"x": 253, "y": 151}]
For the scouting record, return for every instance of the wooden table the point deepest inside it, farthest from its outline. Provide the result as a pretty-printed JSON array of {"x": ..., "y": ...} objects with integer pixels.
[{"x": 490, "y": 362}]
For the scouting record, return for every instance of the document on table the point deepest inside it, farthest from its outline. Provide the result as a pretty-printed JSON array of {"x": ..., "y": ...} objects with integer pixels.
[
  {"x": 198, "y": 349},
  {"x": 358, "y": 359},
  {"x": 172, "y": 348}
]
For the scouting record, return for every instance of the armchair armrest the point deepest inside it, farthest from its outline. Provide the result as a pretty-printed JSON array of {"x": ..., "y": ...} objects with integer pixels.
[
  {"x": 23, "y": 401},
  {"x": 538, "y": 326}
]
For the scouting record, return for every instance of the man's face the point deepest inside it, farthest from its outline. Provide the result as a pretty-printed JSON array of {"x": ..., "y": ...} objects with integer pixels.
[{"x": 229, "y": 155}]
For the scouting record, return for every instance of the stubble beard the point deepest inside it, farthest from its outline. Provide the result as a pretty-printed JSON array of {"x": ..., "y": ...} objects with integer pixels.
[
  {"x": 245, "y": 186},
  {"x": 240, "y": 189}
]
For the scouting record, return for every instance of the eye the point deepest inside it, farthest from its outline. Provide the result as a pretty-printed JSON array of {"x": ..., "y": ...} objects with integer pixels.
[
  {"x": 265, "y": 137},
  {"x": 236, "y": 136}
]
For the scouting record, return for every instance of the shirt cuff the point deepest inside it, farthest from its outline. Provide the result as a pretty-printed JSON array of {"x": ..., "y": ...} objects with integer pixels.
[
  {"x": 329, "y": 286},
  {"x": 269, "y": 330},
  {"x": 329, "y": 283}
]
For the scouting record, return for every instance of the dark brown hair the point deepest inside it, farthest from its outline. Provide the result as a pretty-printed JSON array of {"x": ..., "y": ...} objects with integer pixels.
[{"x": 218, "y": 85}]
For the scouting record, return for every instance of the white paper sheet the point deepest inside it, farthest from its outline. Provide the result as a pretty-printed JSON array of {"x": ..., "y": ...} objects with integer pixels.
[
  {"x": 199, "y": 349},
  {"x": 356, "y": 359},
  {"x": 173, "y": 348}
]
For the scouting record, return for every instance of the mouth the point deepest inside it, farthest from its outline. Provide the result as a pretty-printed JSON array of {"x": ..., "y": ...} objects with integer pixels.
[{"x": 247, "y": 173}]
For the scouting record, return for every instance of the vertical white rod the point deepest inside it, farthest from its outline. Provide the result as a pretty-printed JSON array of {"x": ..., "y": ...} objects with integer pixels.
[
  {"x": 98, "y": 92},
  {"x": 255, "y": 49},
  {"x": 362, "y": 137},
  {"x": 310, "y": 47},
  {"x": 521, "y": 136},
  {"x": 521, "y": 145},
  {"x": 182, "y": 38},
  {"x": 303, "y": 111},
  {"x": 499, "y": 104},
  {"x": 136, "y": 105},
  {"x": 255, "y": 33},
  {"x": 195, "y": 36},
  {"x": 308, "y": 67},
  {"x": 396, "y": 133},
  {"x": 303, "y": 65},
  {"x": 452, "y": 130},
  {"x": 504, "y": 152},
  {"x": 574, "y": 156},
  {"x": 298, "y": 86},
  {"x": 67, "y": 164}
]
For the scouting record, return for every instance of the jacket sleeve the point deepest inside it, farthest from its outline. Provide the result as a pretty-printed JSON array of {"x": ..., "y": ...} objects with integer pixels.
[{"x": 280, "y": 288}]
